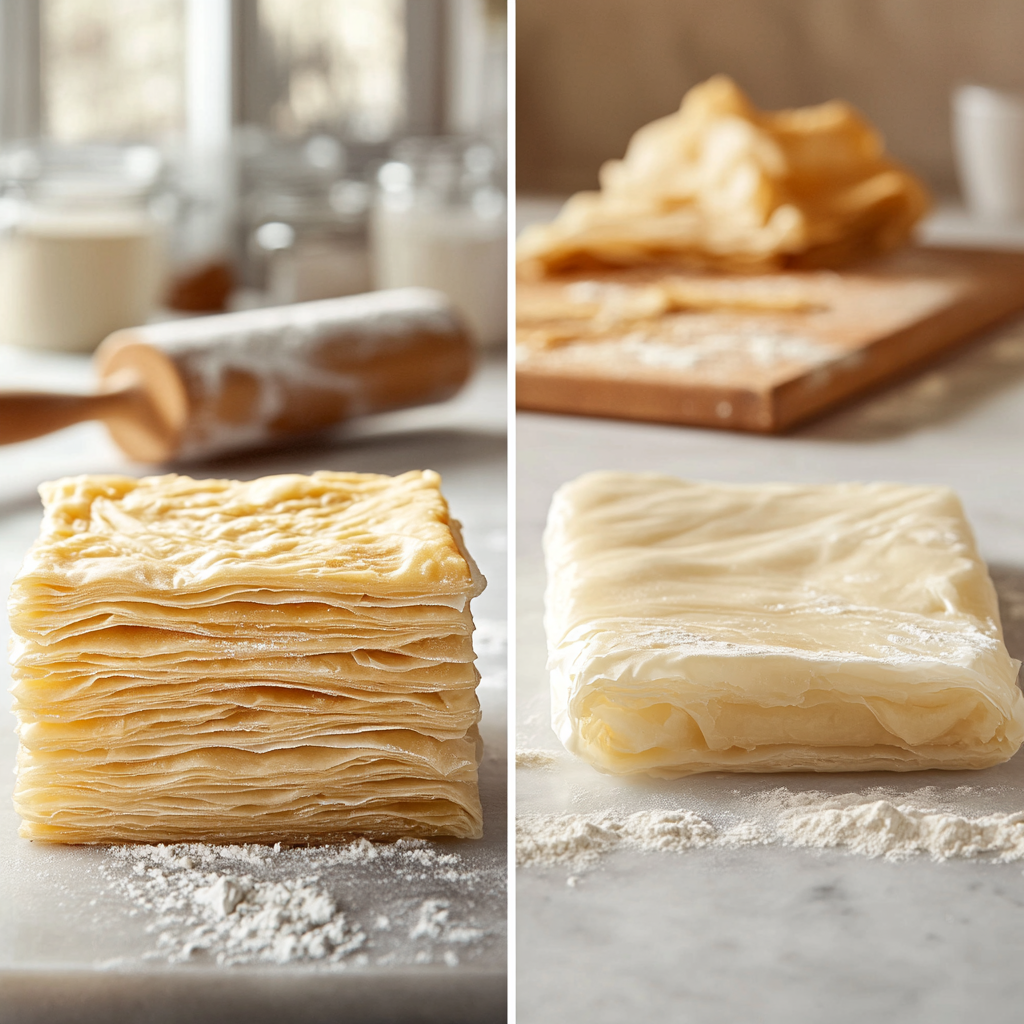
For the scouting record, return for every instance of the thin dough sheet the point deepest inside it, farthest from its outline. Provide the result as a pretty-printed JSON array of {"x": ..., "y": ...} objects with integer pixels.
[
  {"x": 700, "y": 627},
  {"x": 344, "y": 534}
]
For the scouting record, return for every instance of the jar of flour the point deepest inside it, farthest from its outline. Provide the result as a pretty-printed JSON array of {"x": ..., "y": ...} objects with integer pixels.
[
  {"x": 81, "y": 243},
  {"x": 439, "y": 222}
]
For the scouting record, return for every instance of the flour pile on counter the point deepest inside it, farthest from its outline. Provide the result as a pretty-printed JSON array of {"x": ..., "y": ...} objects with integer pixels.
[
  {"x": 579, "y": 840},
  {"x": 536, "y": 758},
  {"x": 879, "y": 828},
  {"x": 260, "y": 904},
  {"x": 860, "y": 823}
]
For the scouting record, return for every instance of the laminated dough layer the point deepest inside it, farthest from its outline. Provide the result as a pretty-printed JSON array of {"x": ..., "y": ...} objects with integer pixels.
[
  {"x": 697, "y": 626},
  {"x": 286, "y": 659},
  {"x": 354, "y": 535}
]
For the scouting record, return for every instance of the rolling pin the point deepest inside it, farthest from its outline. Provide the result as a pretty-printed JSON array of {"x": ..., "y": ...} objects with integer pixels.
[{"x": 191, "y": 389}]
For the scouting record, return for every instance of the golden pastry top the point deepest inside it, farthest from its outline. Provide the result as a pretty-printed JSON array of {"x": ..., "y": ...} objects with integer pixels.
[
  {"x": 722, "y": 184},
  {"x": 328, "y": 533}
]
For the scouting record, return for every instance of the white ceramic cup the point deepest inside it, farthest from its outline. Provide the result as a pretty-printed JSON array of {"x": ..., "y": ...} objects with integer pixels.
[{"x": 988, "y": 138}]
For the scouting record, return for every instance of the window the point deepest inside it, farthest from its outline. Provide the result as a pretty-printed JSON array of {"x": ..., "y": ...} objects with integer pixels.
[
  {"x": 112, "y": 69},
  {"x": 365, "y": 70},
  {"x": 117, "y": 69},
  {"x": 336, "y": 64}
]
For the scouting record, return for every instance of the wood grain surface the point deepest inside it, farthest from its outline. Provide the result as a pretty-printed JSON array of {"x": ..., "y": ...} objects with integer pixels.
[{"x": 760, "y": 353}]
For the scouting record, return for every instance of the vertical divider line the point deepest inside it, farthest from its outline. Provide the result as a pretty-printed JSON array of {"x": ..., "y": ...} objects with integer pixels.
[{"x": 512, "y": 588}]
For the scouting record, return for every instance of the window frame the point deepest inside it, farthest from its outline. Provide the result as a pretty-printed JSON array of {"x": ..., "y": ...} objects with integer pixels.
[
  {"x": 20, "y": 69},
  {"x": 226, "y": 51}
]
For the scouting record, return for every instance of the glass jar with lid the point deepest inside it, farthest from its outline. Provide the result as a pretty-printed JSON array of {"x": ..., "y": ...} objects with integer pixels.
[
  {"x": 305, "y": 221},
  {"x": 82, "y": 232},
  {"x": 439, "y": 221}
]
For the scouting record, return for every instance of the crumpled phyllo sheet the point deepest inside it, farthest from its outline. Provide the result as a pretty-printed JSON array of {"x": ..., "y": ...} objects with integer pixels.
[
  {"x": 722, "y": 185},
  {"x": 286, "y": 659},
  {"x": 699, "y": 626}
]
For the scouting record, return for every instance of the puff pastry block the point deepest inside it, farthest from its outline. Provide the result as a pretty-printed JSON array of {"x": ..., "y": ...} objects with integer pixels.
[
  {"x": 696, "y": 627},
  {"x": 283, "y": 659}
]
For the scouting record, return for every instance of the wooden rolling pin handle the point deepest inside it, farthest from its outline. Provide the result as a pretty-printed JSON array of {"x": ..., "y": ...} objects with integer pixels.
[{"x": 27, "y": 414}]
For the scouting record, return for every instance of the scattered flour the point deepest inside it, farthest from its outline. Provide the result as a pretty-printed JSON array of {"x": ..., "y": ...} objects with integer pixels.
[
  {"x": 579, "y": 840},
  {"x": 862, "y": 824},
  {"x": 261, "y": 904},
  {"x": 535, "y": 758},
  {"x": 433, "y": 923}
]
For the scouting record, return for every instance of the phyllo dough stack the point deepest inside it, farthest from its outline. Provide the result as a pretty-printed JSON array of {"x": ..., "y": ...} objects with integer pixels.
[
  {"x": 287, "y": 659},
  {"x": 696, "y": 627}
]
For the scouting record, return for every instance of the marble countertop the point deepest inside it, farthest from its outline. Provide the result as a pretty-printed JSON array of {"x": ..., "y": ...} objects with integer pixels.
[
  {"x": 72, "y": 948},
  {"x": 777, "y": 934}
]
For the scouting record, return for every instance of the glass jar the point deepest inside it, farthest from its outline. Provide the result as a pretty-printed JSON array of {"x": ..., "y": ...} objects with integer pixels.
[
  {"x": 439, "y": 222},
  {"x": 306, "y": 223},
  {"x": 200, "y": 249},
  {"x": 81, "y": 242}
]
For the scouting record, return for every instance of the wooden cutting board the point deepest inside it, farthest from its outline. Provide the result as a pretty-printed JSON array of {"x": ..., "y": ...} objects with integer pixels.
[{"x": 760, "y": 353}]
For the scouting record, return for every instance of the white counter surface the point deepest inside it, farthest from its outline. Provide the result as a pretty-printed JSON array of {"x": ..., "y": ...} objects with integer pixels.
[
  {"x": 777, "y": 934},
  {"x": 73, "y": 948}
]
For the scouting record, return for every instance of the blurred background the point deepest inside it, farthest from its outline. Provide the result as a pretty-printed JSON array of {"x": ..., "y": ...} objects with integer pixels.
[
  {"x": 590, "y": 72},
  {"x": 163, "y": 157}
]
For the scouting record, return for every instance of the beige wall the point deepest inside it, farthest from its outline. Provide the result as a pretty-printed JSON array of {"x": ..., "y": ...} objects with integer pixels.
[{"x": 591, "y": 71}]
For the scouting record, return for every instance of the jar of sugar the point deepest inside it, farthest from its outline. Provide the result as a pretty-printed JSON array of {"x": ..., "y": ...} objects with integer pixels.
[
  {"x": 439, "y": 221},
  {"x": 81, "y": 241}
]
